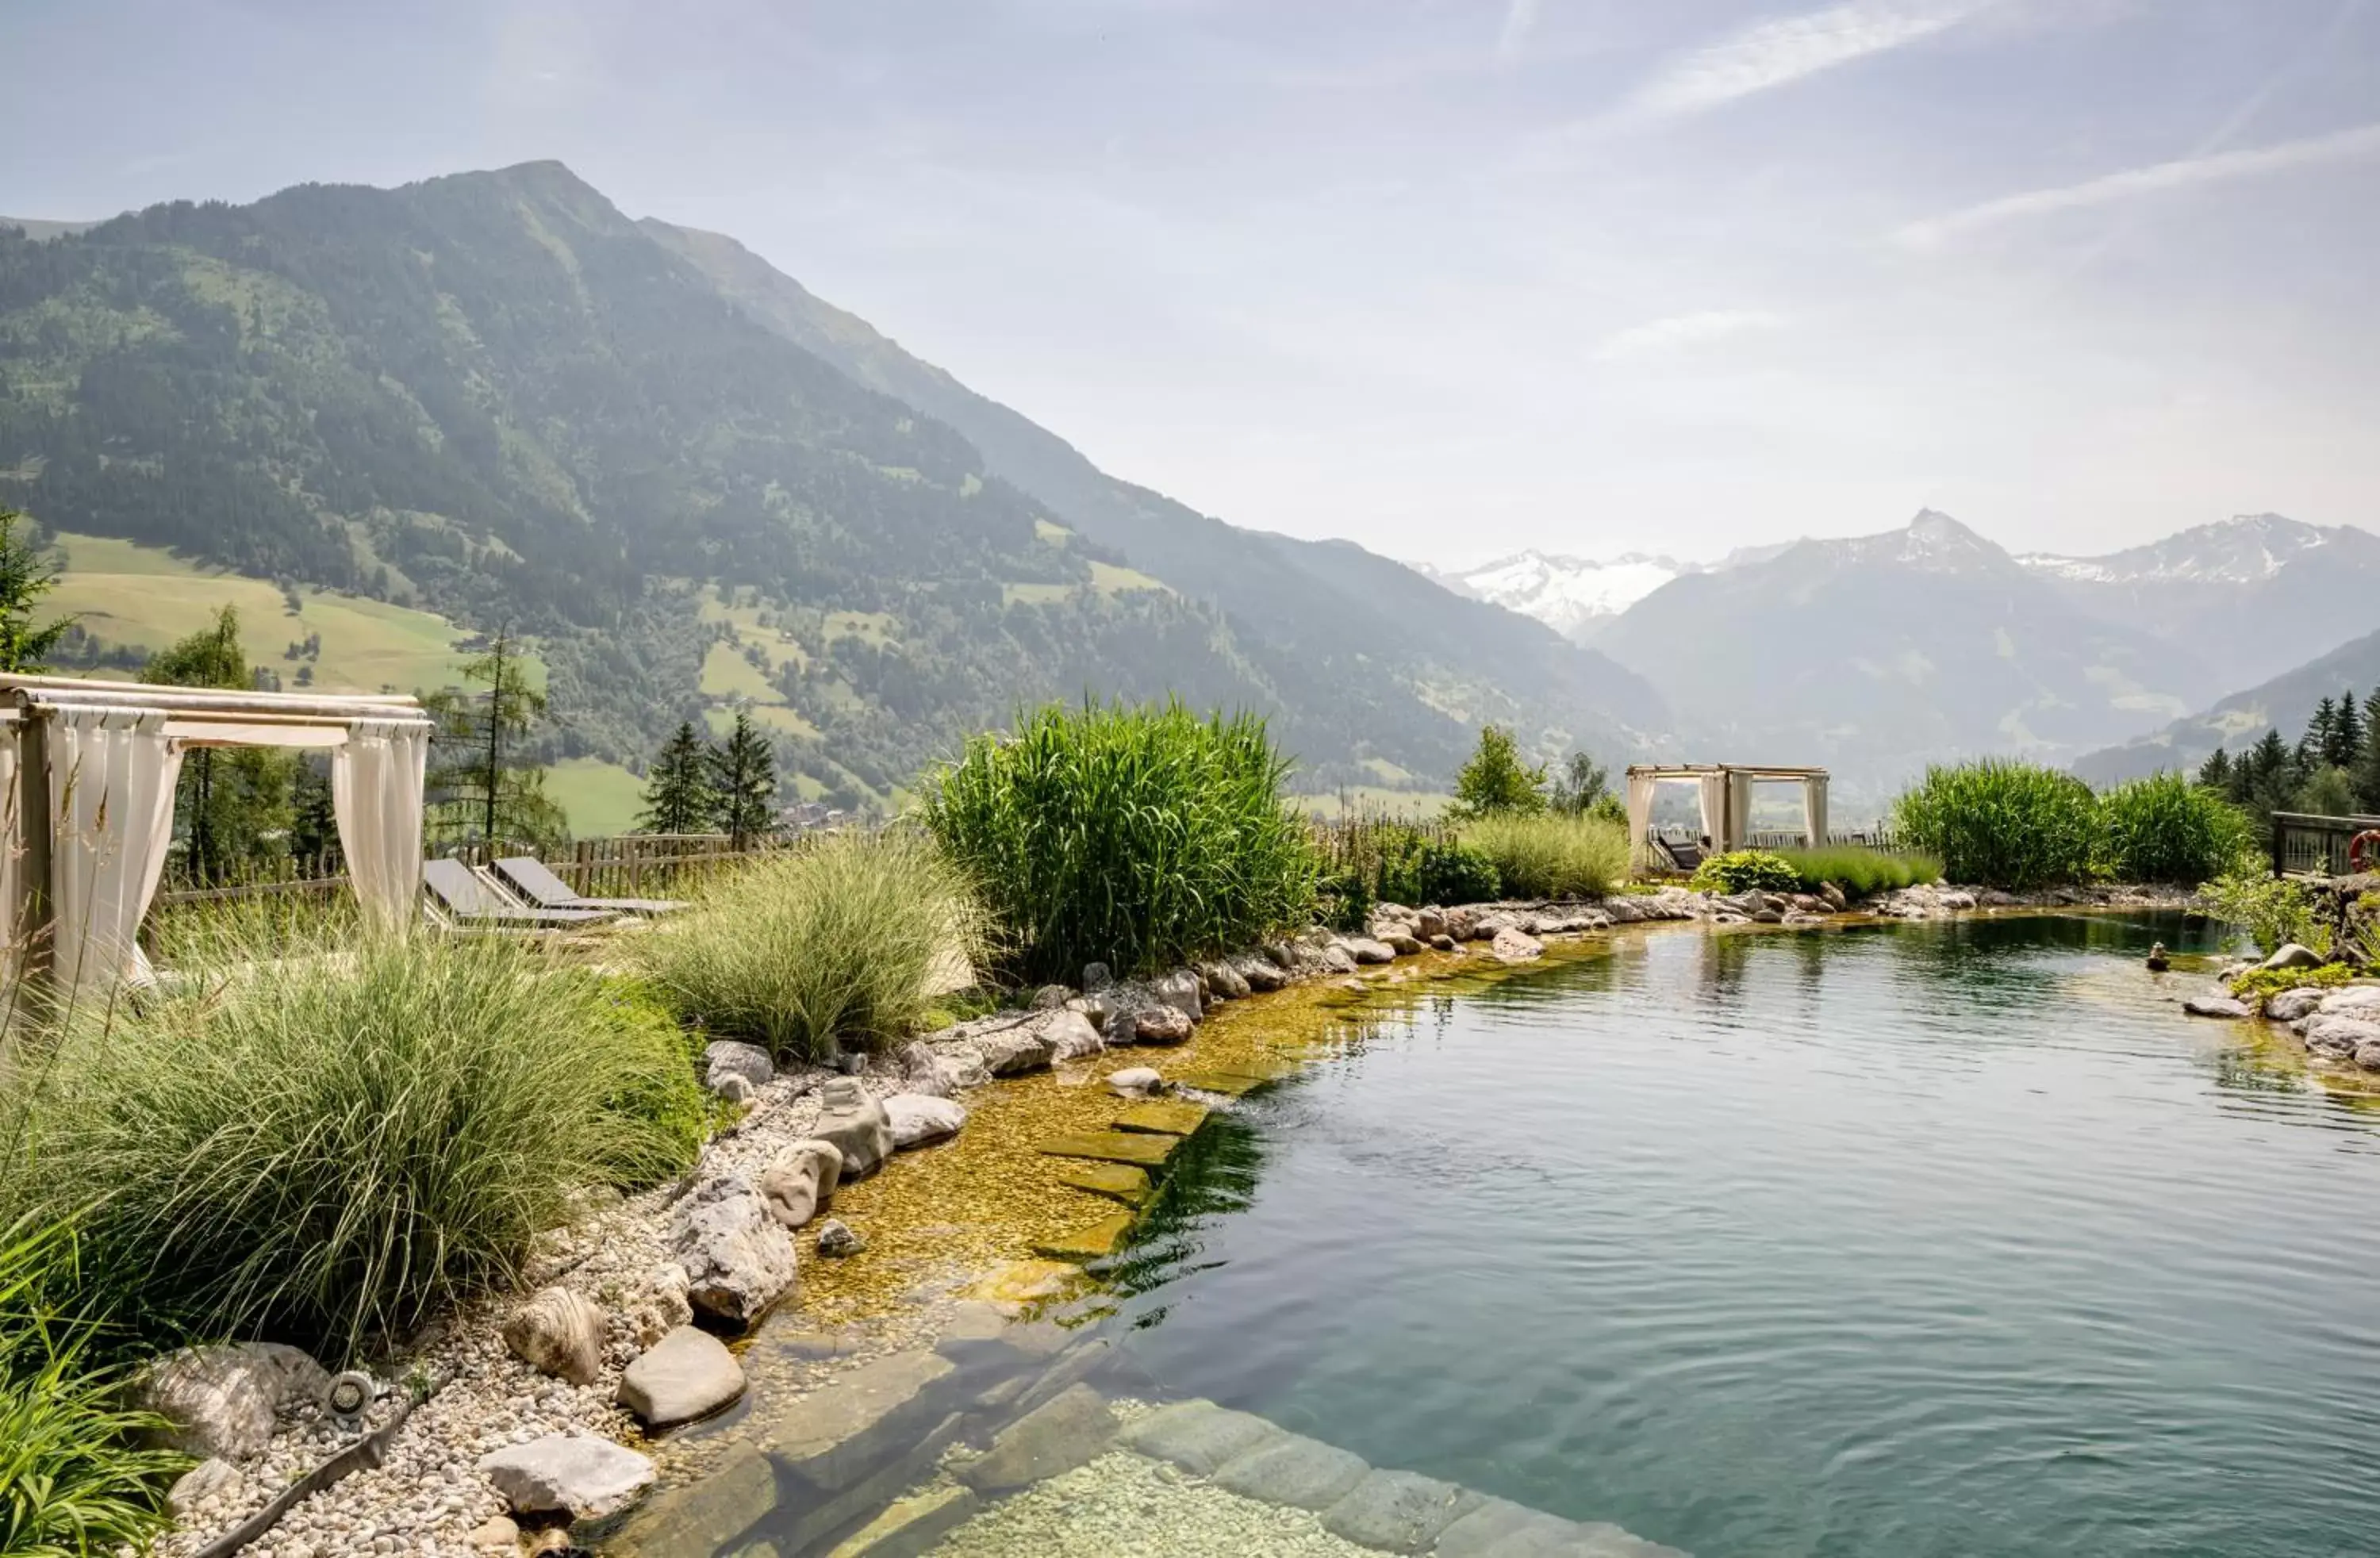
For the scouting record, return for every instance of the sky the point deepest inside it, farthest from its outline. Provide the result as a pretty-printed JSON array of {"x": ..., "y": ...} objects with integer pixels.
[{"x": 1451, "y": 279}]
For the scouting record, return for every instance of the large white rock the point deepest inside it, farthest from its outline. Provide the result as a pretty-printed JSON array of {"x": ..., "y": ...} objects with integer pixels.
[
  {"x": 801, "y": 1180},
  {"x": 1008, "y": 1051},
  {"x": 739, "y": 1258},
  {"x": 2292, "y": 956},
  {"x": 688, "y": 1374},
  {"x": 1514, "y": 945},
  {"x": 1071, "y": 1036},
  {"x": 850, "y": 1117},
  {"x": 1364, "y": 949},
  {"x": 917, "y": 1119},
  {"x": 1179, "y": 990},
  {"x": 218, "y": 1402},
  {"x": 574, "y": 1474},
  {"x": 2356, "y": 1000},
  {"x": 1136, "y": 1082},
  {"x": 558, "y": 1333}
]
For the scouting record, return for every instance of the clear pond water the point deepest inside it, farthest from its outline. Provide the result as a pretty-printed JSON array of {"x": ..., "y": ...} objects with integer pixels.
[{"x": 1890, "y": 1241}]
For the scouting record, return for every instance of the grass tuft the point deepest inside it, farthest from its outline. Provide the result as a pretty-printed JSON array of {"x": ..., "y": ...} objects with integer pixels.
[
  {"x": 1860, "y": 872},
  {"x": 1550, "y": 855},
  {"x": 2002, "y": 823},
  {"x": 2167, "y": 829},
  {"x": 330, "y": 1146},
  {"x": 1133, "y": 836},
  {"x": 846, "y": 939}
]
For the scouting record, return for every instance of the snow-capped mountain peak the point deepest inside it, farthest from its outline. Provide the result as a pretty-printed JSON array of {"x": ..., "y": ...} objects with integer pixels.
[
  {"x": 2244, "y": 549},
  {"x": 1572, "y": 596}
]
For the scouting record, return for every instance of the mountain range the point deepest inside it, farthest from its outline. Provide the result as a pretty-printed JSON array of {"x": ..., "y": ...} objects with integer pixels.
[{"x": 495, "y": 395}]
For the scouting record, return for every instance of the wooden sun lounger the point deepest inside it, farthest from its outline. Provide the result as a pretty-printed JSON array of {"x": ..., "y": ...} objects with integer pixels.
[
  {"x": 535, "y": 880},
  {"x": 470, "y": 900}
]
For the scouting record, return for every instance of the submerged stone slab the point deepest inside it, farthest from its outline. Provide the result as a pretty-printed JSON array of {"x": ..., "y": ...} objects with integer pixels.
[
  {"x": 1163, "y": 1116},
  {"x": 1018, "y": 1283},
  {"x": 1069, "y": 1429},
  {"x": 1500, "y": 1528},
  {"x": 1112, "y": 1147},
  {"x": 1198, "y": 1435},
  {"x": 1399, "y": 1510},
  {"x": 911, "y": 1527},
  {"x": 832, "y": 1437},
  {"x": 1229, "y": 1084},
  {"x": 699, "y": 1519},
  {"x": 1094, "y": 1242},
  {"x": 1120, "y": 1182},
  {"x": 1293, "y": 1470}
]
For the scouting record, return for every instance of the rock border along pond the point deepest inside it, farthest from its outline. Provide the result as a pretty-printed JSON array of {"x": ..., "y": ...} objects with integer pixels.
[{"x": 984, "y": 1170}]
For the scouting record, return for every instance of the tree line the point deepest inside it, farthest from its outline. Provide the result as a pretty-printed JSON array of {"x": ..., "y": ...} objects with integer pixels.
[{"x": 2332, "y": 771}]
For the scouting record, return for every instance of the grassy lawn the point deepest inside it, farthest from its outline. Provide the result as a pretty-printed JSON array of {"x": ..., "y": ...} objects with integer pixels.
[
  {"x": 726, "y": 674},
  {"x": 146, "y": 597},
  {"x": 601, "y": 799},
  {"x": 1110, "y": 579}
]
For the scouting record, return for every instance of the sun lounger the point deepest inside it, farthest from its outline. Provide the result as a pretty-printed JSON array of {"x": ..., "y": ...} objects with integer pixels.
[
  {"x": 470, "y": 900},
  {"x": 535, "y": 882}
]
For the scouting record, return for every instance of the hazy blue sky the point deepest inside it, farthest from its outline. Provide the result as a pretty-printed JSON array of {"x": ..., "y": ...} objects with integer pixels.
[{"x": 1449, "y": 278}]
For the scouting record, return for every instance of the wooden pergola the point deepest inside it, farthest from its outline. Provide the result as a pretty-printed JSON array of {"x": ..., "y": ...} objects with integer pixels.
[
  {"x": 87, "y": 774},
  {"x": 1726, "y": 794}
]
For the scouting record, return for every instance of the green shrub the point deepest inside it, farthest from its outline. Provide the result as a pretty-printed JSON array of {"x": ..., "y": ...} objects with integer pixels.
[
  {"x": 330, "y": 1146},
  {"x": 2002, "y": 823},
  {"x": 1740, "y": 870},
  {"x": 2168, "y": 829},
  {"x": 1494, "y": 781},
  {"x": 1860, "y": 872},
  {"x": 2274, "y": 911},
  {"x": 842, "y": 940},
  {"x": 1552, "y": 857},
  {"x": 1133, "y": 836},
  {"x": 2259, "y": 985},
  {"x": 1344, "y": 903},
  {"x": 74, "y": 1482},
  {"x": 1457, "y": 873}
]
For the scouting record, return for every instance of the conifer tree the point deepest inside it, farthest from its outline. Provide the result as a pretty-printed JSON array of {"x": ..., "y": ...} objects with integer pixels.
[
  {"x": 678, "y": 798},
  {"x": 2345, "y": 743},
  {"x": 743, "y": 782},
  {"x": 2316, "y": 740},
  {"x": 2365, "y": 771},
  {"x": 24, "y": 580},
  {"x": 232, "y": 806},
  {"x": 480, "y": 787},
  {"x": 2215, "y": 773}
]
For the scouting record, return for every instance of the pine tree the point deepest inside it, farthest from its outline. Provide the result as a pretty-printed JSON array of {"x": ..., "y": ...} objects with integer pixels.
[
  {"x": 480, "y": 789},
  {"x": 2215, "y": 773},
  {"x": 2345, "y": 743},
  {"x": 24, "y": 580},
  {"x": 2366, "y": 768},
  {"x": 2265, "y": 780},
  {"x": 678, "y": 798},
  {"x": 744, "y": 783},
  {"x": 2316, "y": 740},
  {"x": 314, "y": 820}
]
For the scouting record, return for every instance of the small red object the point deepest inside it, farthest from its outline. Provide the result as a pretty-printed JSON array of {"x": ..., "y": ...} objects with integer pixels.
[{"x": 2360, "y": 848}]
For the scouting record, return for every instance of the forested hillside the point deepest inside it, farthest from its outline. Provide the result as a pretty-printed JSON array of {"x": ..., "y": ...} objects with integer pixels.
[{"x": 495, "y": 396}]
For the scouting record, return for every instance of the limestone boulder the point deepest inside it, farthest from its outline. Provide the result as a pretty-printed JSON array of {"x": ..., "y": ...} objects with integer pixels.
[
  {"x": 218, "y": 1402},
  {"x": 208, "y": 1480},
  {"x": 2215, "y": 1006},
  {"x": 576, "y": 1476},
  {"x": 1429, "y": 922},
  {"x": 1008, "y": 1052},
  {"x": 2359, "y": 1000},
  {"x": 1463, "y": 924},
  {"x": 2341, "y": 1036},
  {"x": 1097, "y": 976},
  {"x": 2291, "y": 955},
  {"x": 738, "y": 1257},
  {"x": 1403, "y": 944},
  {"x": 688, "y": 1374},
  {"x": 1136, "y": 1082},
  {"x": 919, "y": 1119},
  {"x": 836, "y": 1239},
  {"x": 1224, "y": 982},
  {"x": 1072, "y": 1036},
  {"x": 1261, "y": 973},
  {"x": 800, "y": 1181},
  {"x": 1179, "y": 989},
  {"x": 2292, "y": 1005},
  {"x": 656, "y": 1306},
  {"x": 851, "y": 1118},
  {"x": 1364, "y": 949},
  {"x": 1051, "y": 998},
  {"x": 1514, "y": 945},
  {"x": 722, "y": 1058},
  {"x": 559, "y": 1333},
  {"x": 1336, "y": 959},
  {"x": 1161, "y": 1025}
]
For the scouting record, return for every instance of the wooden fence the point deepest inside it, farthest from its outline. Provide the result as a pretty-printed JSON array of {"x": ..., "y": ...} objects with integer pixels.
[
  {"x": 634, "y": 865},
  {"x": 2304, "y": 844}
]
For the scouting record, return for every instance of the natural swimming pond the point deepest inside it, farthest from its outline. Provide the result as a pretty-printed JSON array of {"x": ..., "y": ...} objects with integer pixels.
[{"x": 1892, "y": 1240}]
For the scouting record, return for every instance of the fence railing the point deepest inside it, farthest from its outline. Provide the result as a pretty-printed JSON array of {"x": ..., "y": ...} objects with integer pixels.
[
  {"x": 2305, "y": 845},
  {"x": 633, "y": 865}
]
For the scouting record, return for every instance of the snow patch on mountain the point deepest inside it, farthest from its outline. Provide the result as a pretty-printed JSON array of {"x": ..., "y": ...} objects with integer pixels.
[
  {"x": 2244, "y": 549},
  {"x": 1572, "y": 596}
]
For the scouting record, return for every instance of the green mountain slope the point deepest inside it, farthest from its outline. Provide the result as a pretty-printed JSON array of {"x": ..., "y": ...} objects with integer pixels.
[
  {"x": 2284, "y": 703},
  {"x": 1377, "y": 659},
  {"x": 495, "y": 397}
]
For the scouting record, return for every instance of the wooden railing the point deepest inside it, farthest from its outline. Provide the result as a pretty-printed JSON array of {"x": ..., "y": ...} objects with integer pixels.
[
  {"x": 633, "y": 865},
  {"x": 2305, "y": 845}
]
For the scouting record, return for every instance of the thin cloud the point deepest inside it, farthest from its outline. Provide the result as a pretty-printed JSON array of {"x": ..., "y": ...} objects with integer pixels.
[
  {"x": 2358, "y": 144},
  {"x": 1520, "y": 21},
  {"x": 1785, "y": 49},
  {"x": 1663, "y": 337}
]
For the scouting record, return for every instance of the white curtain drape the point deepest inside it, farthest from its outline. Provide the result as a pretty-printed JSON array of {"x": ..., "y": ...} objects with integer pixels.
[
  {"x": 1640, "y": 820},
  {"x": 12, "y": 854},
  {"x": 1738, "y": 812},
  {"x": 110, "y": 774},
  {"x": 1714, "y": 789},
  {"x": 376, "y": 777},
  {"x": 1814, "y": 812}
]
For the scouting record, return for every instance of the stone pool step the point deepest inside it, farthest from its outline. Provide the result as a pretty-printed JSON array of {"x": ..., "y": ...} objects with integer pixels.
[
  {"x": 1163, "y": 1116},
  {"x": 1095, "y": 1241},
  {"x": 1138, "y": 1148},
  {"x": 1120, "y": 1182}
]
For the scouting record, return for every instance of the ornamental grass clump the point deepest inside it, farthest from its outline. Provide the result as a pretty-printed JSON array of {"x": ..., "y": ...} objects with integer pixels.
[
  {"x": 2002, "y": 823},
  {"x": 2167, "y": 829},
  {"x": 1135, "y": 836},
  {"x": 75, "y": 1481},
  {"x": 839, "y": 941},
  {"x": 1551, "y": 855},
  {"x": 326, "y": 1148},
  {"x": 1860, "y": 872}
]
